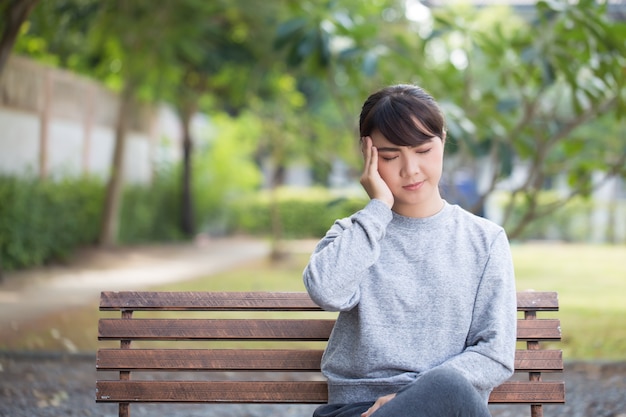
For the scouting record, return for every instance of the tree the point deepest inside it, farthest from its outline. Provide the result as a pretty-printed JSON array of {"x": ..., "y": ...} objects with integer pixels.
[
  {"x": 15, "y": 13},
  {"x": 213, "y": 55},
  {"x": 525, "y": 91},
  {"x": 515, "y": 93}
]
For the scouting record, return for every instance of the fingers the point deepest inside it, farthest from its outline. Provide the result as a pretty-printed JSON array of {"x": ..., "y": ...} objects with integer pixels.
[
  {"x": 379, "y": 403},
  {"x": 370, "y": 411},
  {"x": 366, "y": 144},
  {"x": 370, "y": 153}
]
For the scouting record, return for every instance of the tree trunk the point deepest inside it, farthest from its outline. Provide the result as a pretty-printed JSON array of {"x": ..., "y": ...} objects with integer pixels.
[
  {"x": 112, "y": 203},
  {"x": 277, "y": 252},
  {"x": 15, "y": 13},
  {"x": 187, "y": 212}
]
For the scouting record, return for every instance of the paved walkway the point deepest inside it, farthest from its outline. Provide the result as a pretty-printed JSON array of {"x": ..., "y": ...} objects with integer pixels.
[{"x": 26, "y": 295}]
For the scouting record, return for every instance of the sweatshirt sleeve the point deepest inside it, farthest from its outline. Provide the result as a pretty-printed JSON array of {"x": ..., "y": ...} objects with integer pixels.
[
  {"x": 337, "y": 265},
  {"x": 488, "y": 359}
]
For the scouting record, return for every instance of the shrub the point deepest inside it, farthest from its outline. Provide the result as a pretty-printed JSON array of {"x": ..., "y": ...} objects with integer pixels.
[
  {"x": 304, "y": 213},
  {"x": 44, "y": 220},
  {"x": 151, "y": 213}
]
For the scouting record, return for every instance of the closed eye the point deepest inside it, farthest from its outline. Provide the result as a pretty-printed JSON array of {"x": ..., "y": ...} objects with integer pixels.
[
  {"x": 389, "y": 158},
  {"x": 423, "y": 151}
]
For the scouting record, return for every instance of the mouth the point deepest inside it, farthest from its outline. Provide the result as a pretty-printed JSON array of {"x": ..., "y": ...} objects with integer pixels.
[{"x": 414, "y": 186}]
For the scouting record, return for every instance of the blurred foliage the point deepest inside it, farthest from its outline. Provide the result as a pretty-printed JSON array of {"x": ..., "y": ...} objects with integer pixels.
[
  {"x": 43, "y": 220},
  {"x": 224, "y": 167},
  {"x": 150, "y": 213},
  {"x": 570, "y": 223},
  {"x": 305, "y": 213},
  {"x": 545, "y": 93}
]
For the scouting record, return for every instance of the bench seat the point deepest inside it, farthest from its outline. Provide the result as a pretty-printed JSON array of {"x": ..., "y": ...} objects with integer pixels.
[{"x": 264, "y": 337}]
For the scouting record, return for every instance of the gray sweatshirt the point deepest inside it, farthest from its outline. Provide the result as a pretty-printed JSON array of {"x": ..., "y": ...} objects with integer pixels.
[{"x": 414, "y": 294}]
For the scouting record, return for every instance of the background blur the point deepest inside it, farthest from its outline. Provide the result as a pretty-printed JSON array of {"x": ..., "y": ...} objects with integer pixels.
[{"x": 123, "y": 122}]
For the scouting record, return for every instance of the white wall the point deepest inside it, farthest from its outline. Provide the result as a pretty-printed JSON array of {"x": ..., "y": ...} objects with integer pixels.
[
  {"x": 74, "y": 118},
  {"x": 19, "y": 142}
]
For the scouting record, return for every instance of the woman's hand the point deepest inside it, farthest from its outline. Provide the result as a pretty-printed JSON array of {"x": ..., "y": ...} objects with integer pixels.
[
  {"x": 371, "y": 180},
  {"x": 379, "y": 403}
]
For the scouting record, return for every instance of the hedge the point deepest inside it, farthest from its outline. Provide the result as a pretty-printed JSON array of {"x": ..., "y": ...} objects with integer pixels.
[
  {"x": 303, "y": 213},
  {"x": 44, "y": 221}
]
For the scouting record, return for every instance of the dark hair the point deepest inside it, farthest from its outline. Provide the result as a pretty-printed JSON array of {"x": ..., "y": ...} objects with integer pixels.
[{"x": 393, "y": 111}]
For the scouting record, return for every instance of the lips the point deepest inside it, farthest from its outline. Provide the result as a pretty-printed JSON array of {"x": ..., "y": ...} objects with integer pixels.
[{"x": 414, "y": 186}]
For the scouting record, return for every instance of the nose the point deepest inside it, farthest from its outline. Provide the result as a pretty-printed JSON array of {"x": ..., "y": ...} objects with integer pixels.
[{"x": 410, "y": 165}]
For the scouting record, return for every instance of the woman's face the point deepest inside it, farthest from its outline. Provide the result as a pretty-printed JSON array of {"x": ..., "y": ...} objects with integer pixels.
[{"x": 412, "y": 173}]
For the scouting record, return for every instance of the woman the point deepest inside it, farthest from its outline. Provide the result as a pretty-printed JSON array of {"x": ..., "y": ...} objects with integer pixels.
[{"x": 425, "y": 290}]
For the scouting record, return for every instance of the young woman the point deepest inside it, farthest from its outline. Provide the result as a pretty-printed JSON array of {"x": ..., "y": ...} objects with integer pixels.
[{"x": 425, "y": 290}]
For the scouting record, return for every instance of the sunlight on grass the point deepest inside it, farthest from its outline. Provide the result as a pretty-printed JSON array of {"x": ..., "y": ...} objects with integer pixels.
[{"x": 591, "y": 282}]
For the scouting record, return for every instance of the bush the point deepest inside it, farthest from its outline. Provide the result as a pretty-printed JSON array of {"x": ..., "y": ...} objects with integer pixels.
[
  {"x": 151, "y": 213},
  {"x": 44, "y": 220},
  {"x": 307, "y": 213}
]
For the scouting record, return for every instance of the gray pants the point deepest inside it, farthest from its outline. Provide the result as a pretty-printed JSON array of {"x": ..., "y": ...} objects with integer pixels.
[{"x": 439, "y": 393}]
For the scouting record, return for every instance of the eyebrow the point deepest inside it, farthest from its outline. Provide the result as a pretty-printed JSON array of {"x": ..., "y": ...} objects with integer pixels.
[
  {"x": 399, "y": 148},
  {"x": 388, "y": 149}
]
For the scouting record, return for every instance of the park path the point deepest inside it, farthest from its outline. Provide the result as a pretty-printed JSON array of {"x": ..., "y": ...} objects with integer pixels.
[{"x": 27, "y": 295}]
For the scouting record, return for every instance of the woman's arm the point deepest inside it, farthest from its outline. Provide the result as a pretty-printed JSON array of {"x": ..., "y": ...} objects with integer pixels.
[{"x": 341, "y": 258}]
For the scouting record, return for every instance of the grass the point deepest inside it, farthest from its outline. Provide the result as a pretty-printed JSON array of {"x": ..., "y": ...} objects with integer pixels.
[{"x": 590, "y": 280}]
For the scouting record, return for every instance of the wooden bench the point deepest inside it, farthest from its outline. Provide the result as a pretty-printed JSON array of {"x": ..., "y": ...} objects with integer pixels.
[{"x": 298, "y": 323}]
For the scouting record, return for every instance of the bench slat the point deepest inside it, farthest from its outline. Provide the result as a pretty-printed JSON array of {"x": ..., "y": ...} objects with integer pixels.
[
  {"x": 538, "y": 360},
  {"x": 285, "y": 392},
  {"x": 206, "y": 301},
  {"x": 539, "y": 329},
  {"x": 260, "y": 301},
  {"x": 537, "y": 301},
  {"x": 260, "y": 329},
  {"x": 266, "y": 360},
  {"x": 529, "y": 392},
  {"x": 212, "y": 391},
  {"x": 204, "y": 359},
  {"x": 214, "y": 329}
]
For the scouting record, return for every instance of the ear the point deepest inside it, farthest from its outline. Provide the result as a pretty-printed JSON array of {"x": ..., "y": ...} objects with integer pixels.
[{"x": 444, "y": 135}]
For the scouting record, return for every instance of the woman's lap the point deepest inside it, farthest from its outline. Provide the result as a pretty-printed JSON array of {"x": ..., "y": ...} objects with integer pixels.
[{"x": 437, "y": 393}]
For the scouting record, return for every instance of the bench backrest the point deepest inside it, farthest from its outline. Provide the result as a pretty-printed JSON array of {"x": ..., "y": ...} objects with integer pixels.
[{"x": 286, "y": 319}]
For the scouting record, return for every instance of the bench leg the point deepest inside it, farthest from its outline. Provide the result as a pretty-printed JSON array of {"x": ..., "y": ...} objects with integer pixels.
[
  {"x": 124, "y": 410},
  {"x": 536, "y": 410}
]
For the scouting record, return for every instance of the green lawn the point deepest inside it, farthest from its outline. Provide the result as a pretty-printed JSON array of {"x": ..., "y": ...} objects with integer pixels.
[{"x": 590, "y": 280}]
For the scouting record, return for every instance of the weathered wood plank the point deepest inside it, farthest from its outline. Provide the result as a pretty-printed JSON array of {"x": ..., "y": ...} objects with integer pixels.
[
  {"x": 263, "y": 329},
  {"x": 212, "y": 391},
  {"x": 214, "y": 329},
  {"x": 266, "y": 360},
  {"x": 205, "y": 359},
  {"x": 206, "y": 301},
  {"x": 540, "y": 329},
  {"x": 539, "y": 360},
  {"x": 537, "y": 300},
  {"x": 527, "y": 392},
  {"x": 285, "y": 392},
  {"x": 260, "y": 301}
]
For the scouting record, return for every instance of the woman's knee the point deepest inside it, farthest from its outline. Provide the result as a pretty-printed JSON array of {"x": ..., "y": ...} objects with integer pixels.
[
  {"x": 443, "y": 392},
  {"x": 447, "y": 381},
  {"x": 444, "y": 386}
]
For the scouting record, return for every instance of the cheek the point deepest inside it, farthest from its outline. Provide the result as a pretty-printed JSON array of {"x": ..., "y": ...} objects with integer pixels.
[{"x": 385, "y": 170}]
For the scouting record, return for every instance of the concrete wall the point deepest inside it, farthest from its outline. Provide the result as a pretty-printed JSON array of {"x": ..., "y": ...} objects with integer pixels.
[{"x": 55, "y": 123}]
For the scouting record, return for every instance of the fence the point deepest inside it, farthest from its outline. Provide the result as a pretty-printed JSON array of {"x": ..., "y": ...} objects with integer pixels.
[{"x": 56, "y": 123}]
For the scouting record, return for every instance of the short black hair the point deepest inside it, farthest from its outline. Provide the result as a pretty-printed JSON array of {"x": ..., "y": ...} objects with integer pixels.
[{"x": 393, "y": 111}]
